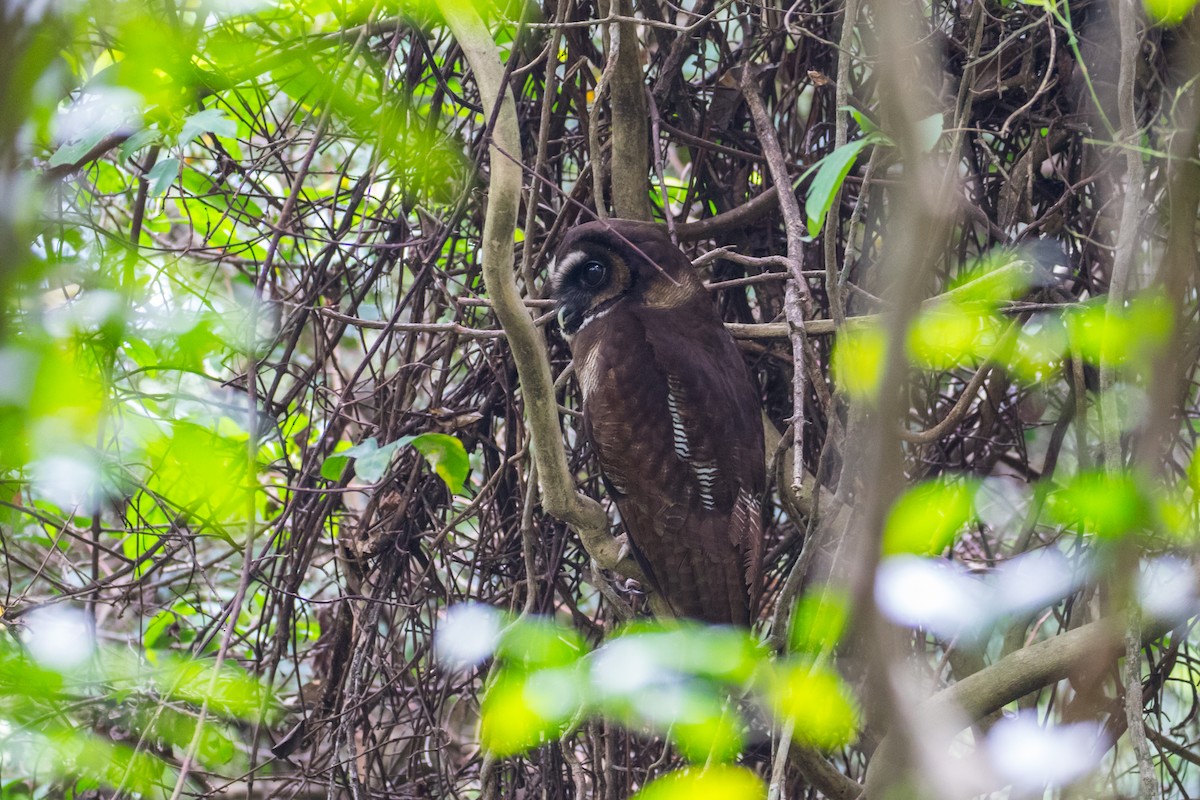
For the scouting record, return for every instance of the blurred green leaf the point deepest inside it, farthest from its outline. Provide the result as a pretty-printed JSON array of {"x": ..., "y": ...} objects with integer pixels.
[
  {"x": 1194, "y": 471},
  {"x": 926, "y": 518},
  {"x": 1168, "y": 12},
  {"x": 540, "y": 642},
  {"x": 950, "y": 335},
  {"x": 999, "y": 276},
  {"x": 1038, "y": 349},
  {"x": 817, "y": 622},
  {"x": 718, "y": 782},
  {"x": 857, "y": 361},
  {"x": 1177, "y": 515},
  {"x": 721, "y": 653},
  {"x": 524, "y": 709},
  {"x": 704, "y": 725},
  {"x": 68, "y": 397},
  {"x": 1109, "y": 506},
  {"x": 138, "y": 544},
  {"x": 210, "y": 120},
  {"x": 230, "y": 691},
  {"x": 1129, "y": 336},
  {"x": 156, "y": 627},
  {"x": 73, "y": 752},
  {"x": 205, "y": 474},
  {"x": 817, "y": 700}
]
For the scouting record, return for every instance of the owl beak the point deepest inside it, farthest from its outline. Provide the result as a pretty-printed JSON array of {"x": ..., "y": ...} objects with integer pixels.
[{"x": 569, "y": 318}]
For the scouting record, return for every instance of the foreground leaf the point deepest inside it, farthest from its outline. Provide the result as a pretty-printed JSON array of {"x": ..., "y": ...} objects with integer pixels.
[{"x": 714, "y": 783}]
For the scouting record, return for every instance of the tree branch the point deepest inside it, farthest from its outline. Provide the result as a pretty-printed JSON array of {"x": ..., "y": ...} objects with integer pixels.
[
  {"x": 1010, "y": 679},
  {"x": 559, "y": 496},
  {"x": 627, "y": 104}
]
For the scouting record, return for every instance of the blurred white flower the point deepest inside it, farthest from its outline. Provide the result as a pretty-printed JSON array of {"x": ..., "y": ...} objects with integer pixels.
[
  {"x": 59, "y": 637},
  {"x": 552, "y": 693},
  {"x": 1031, "y": 756},
  {"x": 18, "y": 368},
  {"x": 1167, "y": 589},
  {"x": 68, "y": 481},
  {"x": 100, "y": 111},
  {"x": 30, "y": 12},
  {"x": 1033, "y": 581},
  {"x": 624, "y": 666},
  {"x": 948, "y": 601},
  {"x": 468, "y": 635},
  {"x": 933, "y": 594},
  {"x": 87, "y": 312}
]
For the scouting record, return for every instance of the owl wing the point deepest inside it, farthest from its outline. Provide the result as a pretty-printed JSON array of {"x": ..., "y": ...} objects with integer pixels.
[
  {"x": 673, "y": 416},
  {"x": 716, "y": 422}
]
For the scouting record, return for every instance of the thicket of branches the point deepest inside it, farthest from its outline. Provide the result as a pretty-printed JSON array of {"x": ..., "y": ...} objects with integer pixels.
[{"x": 205, "y": 315}]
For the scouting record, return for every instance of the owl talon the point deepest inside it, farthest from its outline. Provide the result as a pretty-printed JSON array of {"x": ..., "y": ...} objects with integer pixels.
[{"x": 623, "y": 550}]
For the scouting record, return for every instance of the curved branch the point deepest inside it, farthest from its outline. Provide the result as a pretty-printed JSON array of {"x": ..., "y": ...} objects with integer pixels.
[
  {"x": 1009, "y": 679},
  {"x": 559, "y": 496}
]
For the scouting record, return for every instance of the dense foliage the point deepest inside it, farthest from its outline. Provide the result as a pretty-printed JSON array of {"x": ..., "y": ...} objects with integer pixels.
[{"x": 271, "y": 521}]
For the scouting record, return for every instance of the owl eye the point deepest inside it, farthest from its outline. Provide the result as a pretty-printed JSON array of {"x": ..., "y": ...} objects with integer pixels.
[{"x": 593, "y": 274}]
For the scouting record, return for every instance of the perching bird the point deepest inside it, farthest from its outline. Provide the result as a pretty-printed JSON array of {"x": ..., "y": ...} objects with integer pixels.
[{"x": 671, "y": 411}]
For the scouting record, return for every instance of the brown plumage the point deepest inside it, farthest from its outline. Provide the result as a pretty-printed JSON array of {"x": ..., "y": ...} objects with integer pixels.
[{"x": 671, "y": 411}]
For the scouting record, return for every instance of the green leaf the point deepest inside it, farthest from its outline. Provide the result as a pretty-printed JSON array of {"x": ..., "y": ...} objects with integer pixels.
[
  {"x": 866, "y": 123},
  {"x": 817, "y": 700},
  {"x": 233, "y": 691},
  {"x": 447, "y": 456},
  {"x": 1038, "y": 350},
  {"x": 371, "y": 461},
  {"x": 720, "y": 782},
  {"x": 831, "y": 171},
  {"x": 138, "y": 544},
  {"x": 858, "y": 361},
  {"x": 157, "y": 626},
  {"x": 540, "y": 642},
  {"x": 203, "y": 473},
  {"x": 949, "y": 335},
  {"x": 71, "y": 152},
  {"x": 524, "y": 709},
  {"x": 137, "y": 141},
  {"x": 1110, "y": 506},
  {"x": 1194, "y": 471},
  {"x": 210, "y": 119},
  {"x": 334, "y": 467},
  {"x": 926, "y": 518},
  {"x": 719, "y": 653},
  {"x": 999, "y": 276},
  {"x": 1117, "y": 337},
  {"x": 1168, "y": 12},
  {"x": 444, "y": 453},
  {"x": 700, "y": 724},
  {"x": 817, "y": 622},
  {"x": 162, "y": 175}
]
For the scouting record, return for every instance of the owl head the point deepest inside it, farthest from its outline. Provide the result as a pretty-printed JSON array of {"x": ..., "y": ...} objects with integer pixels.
[{"x": 604, "y": 264}]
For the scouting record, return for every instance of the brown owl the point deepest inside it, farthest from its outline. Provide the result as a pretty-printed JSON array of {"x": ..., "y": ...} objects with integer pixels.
[{"x": 671, "y": 411}]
